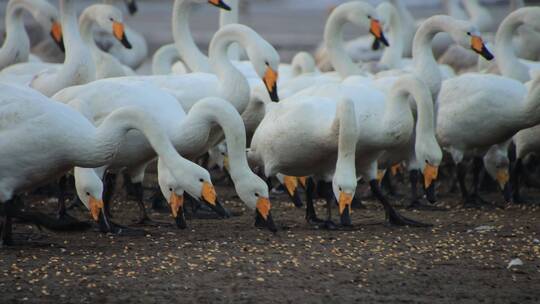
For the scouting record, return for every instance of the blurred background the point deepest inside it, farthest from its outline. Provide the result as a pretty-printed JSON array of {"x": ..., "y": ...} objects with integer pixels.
[{"x": 290, "y": 25}]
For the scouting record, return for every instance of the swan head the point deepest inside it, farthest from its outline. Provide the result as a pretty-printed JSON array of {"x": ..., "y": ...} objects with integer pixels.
[
  {"x": 111, "y": 20},
  {"x": 217, "y": 3},
  {"x": 498, "y": 165},
  {"x": 265, "y": 60},
  {"x": 253, "y": 191},
  {"x": 364, "y": 15},
  {"x": 47, "y": 17},
  {"x": 468, "y": 36},
  {"x": 89, "y": 189},
  {"x": 344, "y": 187},
  {"x": 429, "y": 156},
  {"x": 196, "y": 183}
]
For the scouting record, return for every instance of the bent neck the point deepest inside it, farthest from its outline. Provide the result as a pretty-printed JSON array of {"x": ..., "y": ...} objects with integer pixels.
[
  {"x": 111, "y": 132},
  {"x": 211, "y": 111},
  {"x": 333, "y": 40},
  {"x": 183, "y": 40},
  {"x": 86, "y": 27},
  {"x": 233, "y": 85},
  {"x": 347, "y": 138},
  {"x": 164, "y": 59},
  {"x": 230, "y": 17},
  {"x": 17, "y": 40},
  {"x": 424, "y": 62},
  {"x": 411, "y": 86},
  {"x": 507, "y": 61}
]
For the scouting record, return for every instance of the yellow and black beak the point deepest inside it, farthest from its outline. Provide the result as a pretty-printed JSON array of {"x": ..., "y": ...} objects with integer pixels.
[
  {"x": 291, "y": 185},
  {"x": 56, "y": 35},
  {"x": 430, "y": 174},
  {"x": 177, "y": 209},
  {"x": 478, "y": 45},
  {"x": 344, "y": 202},
  {"x": 96, "y": 206},
  {"x": 132, "y": 7},
  {"x": 270, "y": 81},
  {"x": 502, "y": 179},
  {"x": 220, "y": 4},
  {"x": 376, "y": 30},
  {"x": 263, "y": 216},
  {"x": 120, "y": 34},
  {"x": 210, "y": 198}
]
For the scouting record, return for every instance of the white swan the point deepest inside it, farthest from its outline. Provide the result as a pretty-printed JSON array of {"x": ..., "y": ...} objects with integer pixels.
[
  {"x": 476, "y": 111},
  {"x": 189, "y": 133},
  {"x": 78, "y": 66},
  {"x": 384, "y": 123},
  {"x": 16, "y": 47},
  {"x": 103, "y": 16},
  {"x": 43, "y": 139},
  {"x": 227, "y": 82},
  {"x": 282, "y": 142}
]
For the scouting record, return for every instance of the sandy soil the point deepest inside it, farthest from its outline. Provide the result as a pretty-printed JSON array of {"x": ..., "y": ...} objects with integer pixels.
[{"x": 231, "y": 261}]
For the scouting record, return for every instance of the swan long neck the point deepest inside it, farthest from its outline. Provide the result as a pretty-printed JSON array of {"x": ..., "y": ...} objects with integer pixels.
[
  {"x": 507, "y": 61},
  {"x": 392, "y": 55},
  {"x": 111, "y": 132},
  {"x": 183, "y": 40},
  {"x": 532, "y": 107},
  {"x": 164, "y": 59},
  {"x": 232, "y": 83},
  {"x": 411, "y": 86},
  {"x": 347, "y": 138},
  {"x": 17, "y": 39},
  {"x": 231, "y": 17},
  {"x": 334, "y": 43},
  {"x": 78, "y": 67},
  {"x": 404, "y": 13},
  {"x": 424, "y": 62},
  {"x": 86, "y": 26},
  {"x": 214, "y": 111}
]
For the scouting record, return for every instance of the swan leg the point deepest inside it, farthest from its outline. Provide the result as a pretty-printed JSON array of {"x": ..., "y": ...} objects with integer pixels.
[
  {"x": 6, "y": 238},
  {"x": 517, "y": 173},
  {"x": 474, "y": 200},
  {"x": 109, "y": 186},
  {"x": 325, "y": 191},
  {"x": 387, "y": 183},
  {"x": 416, "y": 202},
  {"x": 311, "y": 214},
  {"x": 392, "y": 216}
]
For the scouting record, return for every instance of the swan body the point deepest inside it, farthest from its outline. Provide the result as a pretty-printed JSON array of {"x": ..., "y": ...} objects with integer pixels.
[
  {"x": 189, "y": 133},
  {"x": 52, "y": 138},
  {"x": 16, "y": 47}
]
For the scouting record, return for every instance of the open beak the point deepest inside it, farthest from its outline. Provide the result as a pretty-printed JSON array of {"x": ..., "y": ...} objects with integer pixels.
[
  {"x": 430, "y": 174},
  {"x": 56, "y": 35},
  {"x": 478, "y": 45},
  {"x": 120, "y": 34},
  {"x": 95, "y": 208},
  {"x": 210, "y": 198},
  {"x": 220, "y": 4},
  {"x": 264, "y": 217},
  {"x": 291, "y": 184},
  {"x": 270, "y": 81},
  {"x": 376, "y": 30},
  {"x": 132, "y": 7},
  {"x": 345, "y": 201},
  {"x": 177, "y": 209}
]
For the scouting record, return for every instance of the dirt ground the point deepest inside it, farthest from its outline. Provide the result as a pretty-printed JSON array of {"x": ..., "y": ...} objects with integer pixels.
[{"x": 230, "y": 261}]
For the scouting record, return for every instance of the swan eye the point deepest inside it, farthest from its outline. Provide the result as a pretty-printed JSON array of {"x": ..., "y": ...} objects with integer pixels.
[
  {"x": 369, "y": 16},
  {"x": 257, "y": 194},
  {"x": 340, "y": 189},
  {"x": 170, "y": 189},
  {"x": 88, "y": 193},
  {"x": 468, "y": 33},
  {"x": 223, "y": 153},
  {"x": 201, "y": 180}
]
